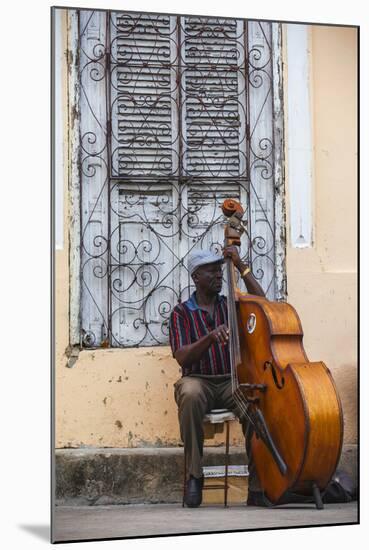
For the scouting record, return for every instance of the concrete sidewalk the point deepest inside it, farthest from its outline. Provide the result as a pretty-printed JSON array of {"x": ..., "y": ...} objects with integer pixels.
[{"x": 100, "y": 522}]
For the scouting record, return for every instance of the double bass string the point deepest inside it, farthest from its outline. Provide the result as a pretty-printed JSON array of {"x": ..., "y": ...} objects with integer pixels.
[
  {"x": 234, "y": 343},
  {"x": 231, "y": 311}
]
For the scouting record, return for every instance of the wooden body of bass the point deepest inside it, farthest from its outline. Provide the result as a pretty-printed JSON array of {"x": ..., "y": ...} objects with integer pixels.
[{"x": 300, "y": 404}]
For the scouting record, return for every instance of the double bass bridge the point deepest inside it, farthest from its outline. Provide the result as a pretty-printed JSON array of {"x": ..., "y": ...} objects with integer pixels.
[
  {"x": 254, "y": 387},
  {"x": 246, "y": 388}
]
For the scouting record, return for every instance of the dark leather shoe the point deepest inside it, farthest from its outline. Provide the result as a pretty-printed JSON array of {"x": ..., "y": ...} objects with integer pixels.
[
  {"x": 257, "y": 498},
  {"x": 193, "y": 492}
]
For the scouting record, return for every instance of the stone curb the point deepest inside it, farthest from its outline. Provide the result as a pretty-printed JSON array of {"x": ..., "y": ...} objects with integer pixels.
[
  {"x": 143, "y": 475},
  {"x": 127, "y": 476}
]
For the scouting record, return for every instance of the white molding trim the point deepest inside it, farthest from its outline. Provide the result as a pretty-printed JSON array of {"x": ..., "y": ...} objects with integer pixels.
[
  {"x": 58, "y": 132},
  {"x": 74, "y": 178},
  {"x": 279, "y": 176},
  {"x": 300, "y": 149}
]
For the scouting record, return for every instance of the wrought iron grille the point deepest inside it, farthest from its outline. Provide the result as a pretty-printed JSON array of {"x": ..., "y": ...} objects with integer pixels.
[{"x": 176, "y": 114}]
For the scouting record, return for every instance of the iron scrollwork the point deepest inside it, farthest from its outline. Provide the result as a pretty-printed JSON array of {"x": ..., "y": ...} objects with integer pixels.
[{"x": 167, "y": 132}]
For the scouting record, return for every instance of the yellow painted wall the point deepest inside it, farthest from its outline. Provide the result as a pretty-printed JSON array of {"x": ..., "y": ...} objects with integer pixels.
[
  {"x": 124, "y": 398},
  {"x": 322, "y": 280}
]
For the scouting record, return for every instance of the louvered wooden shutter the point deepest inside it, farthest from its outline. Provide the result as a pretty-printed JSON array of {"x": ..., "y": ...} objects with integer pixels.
[
  {"x": 214, "y": 121},
  {"x": 215, "y": 110},
  {"x": 144, "y": 108},
  {"x": 144, "y": 167}
]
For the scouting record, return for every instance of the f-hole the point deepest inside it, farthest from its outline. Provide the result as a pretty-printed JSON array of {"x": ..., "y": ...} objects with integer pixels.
[{"x": 270, "y": 365}]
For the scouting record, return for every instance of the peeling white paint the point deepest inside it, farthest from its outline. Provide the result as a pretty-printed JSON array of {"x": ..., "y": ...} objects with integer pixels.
[
  {"x": 279, "y": 189},
  {"x": 74, "y": 179}
]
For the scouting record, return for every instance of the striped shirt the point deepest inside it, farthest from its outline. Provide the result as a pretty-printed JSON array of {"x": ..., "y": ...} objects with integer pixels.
[{"x": 188, "y": 323}]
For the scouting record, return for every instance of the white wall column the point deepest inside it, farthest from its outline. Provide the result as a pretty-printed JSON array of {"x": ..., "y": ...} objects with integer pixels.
[{"x": 299, "y": 137}]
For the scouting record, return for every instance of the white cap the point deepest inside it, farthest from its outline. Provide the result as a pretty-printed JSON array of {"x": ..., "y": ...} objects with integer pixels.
[{"x": 202, "y": 257}]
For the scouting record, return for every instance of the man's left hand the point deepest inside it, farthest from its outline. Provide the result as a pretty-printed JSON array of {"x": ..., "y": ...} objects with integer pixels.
[{"x": 232, "y": 252}]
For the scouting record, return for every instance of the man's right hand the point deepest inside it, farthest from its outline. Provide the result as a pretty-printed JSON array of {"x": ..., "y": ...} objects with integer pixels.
[
  {"x": 191, "y": 353},
  {"x": 220, "y": 334}
]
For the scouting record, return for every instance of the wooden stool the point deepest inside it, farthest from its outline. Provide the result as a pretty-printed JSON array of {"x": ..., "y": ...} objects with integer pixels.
[{"x": 218, "y": 417}]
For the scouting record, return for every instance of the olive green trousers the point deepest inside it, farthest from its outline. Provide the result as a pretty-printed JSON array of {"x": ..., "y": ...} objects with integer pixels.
[{"x": 195, "y": 397}]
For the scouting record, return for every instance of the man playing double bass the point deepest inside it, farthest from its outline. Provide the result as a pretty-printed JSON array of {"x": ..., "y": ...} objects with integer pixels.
[{"x": 199, "y": 341}]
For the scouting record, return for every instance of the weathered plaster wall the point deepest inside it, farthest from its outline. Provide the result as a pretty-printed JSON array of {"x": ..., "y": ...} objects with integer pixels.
[
  {"x": 322, "y": 279},
  {"x": 123, "y": 398}
]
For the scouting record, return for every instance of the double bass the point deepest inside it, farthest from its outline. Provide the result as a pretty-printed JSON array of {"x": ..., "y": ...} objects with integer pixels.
[{"x": 291, "y": 402}]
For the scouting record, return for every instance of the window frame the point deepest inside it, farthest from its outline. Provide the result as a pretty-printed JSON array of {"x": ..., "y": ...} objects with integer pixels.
[{"x": 74, "y": 174}]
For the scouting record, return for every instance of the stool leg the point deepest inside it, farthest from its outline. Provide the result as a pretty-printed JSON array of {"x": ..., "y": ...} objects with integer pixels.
[{"x": 226, "y": 465}]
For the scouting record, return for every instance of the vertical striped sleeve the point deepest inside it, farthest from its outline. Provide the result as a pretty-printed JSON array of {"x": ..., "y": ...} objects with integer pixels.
[
  {"x": 179, "y": 330},
  {"x": 189, "y": 324}
]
